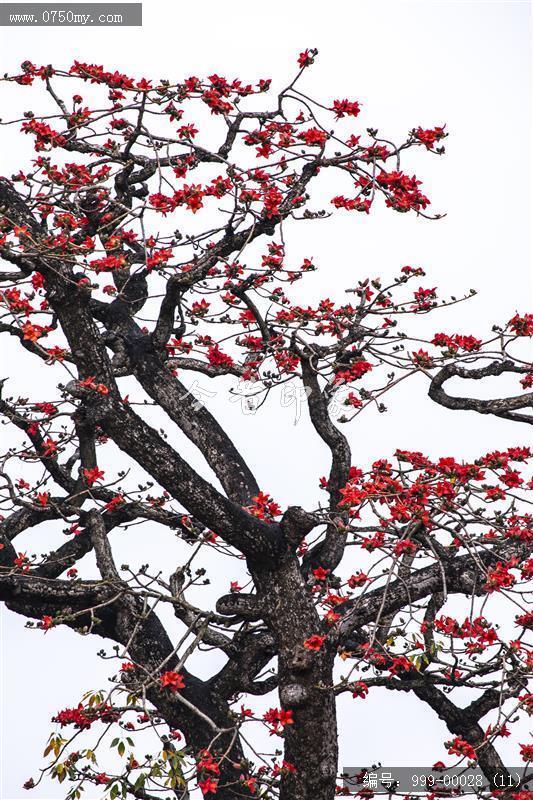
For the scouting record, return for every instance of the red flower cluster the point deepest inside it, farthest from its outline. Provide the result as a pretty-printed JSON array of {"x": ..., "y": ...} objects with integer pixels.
[
  {"x": 277, "y": 719},
  {"x": 217, "y": 358},
  {"x": 499, "y": 577},
  {"x": 359, "y": 689},
  {"x": 207, "y": 764},
  {"x": 352, "y": 373},
  {"x": 456, "y": 342},
  {"x": 460, "y": 747},
  {"x": 402, "y": 191},
  {"x": 83, "y": 717},
  {"x": 306, "y": 58},
  {"x": 264, "y": 507},
  {"x": 522, "y": 326},
  {"x": 173, "y": 681},
  {"x": 315, "y": 642},
  {"x": 429, "y": 136},
  {"x": 89, "y": 383},
  {"x": 346, "y": 108},
  {"x": 93, "y": 475}
]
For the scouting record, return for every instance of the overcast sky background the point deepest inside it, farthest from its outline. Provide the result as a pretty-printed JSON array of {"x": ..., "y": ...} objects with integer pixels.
[{"x": 466, "y": 64}]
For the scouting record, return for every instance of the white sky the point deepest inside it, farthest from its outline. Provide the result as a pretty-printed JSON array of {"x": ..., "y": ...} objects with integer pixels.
[{"x": 466, "y": 64}]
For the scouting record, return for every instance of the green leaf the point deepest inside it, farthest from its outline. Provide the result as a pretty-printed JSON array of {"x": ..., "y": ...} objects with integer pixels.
[{"x": 141, "y": 780}]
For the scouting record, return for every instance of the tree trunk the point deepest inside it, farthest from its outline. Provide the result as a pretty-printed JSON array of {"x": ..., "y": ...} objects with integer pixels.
[
  {"x": 305, "y": 681},
  {"x": 311, "y": 745}
]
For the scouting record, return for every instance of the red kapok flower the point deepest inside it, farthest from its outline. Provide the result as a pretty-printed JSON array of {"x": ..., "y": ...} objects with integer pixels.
[
  {"x": 314, "y": 642},
  {"x": 460, "y": 747},
  {"x": 172, "y": 680}
]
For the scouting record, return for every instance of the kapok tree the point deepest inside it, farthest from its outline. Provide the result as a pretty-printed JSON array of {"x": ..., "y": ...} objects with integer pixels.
[{"x": 115, "y": 287}]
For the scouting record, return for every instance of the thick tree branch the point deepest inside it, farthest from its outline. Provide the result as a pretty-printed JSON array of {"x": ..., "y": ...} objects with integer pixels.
[
  {"x": 504, "y": 407},
  {"x": 464, "y": 575}
]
